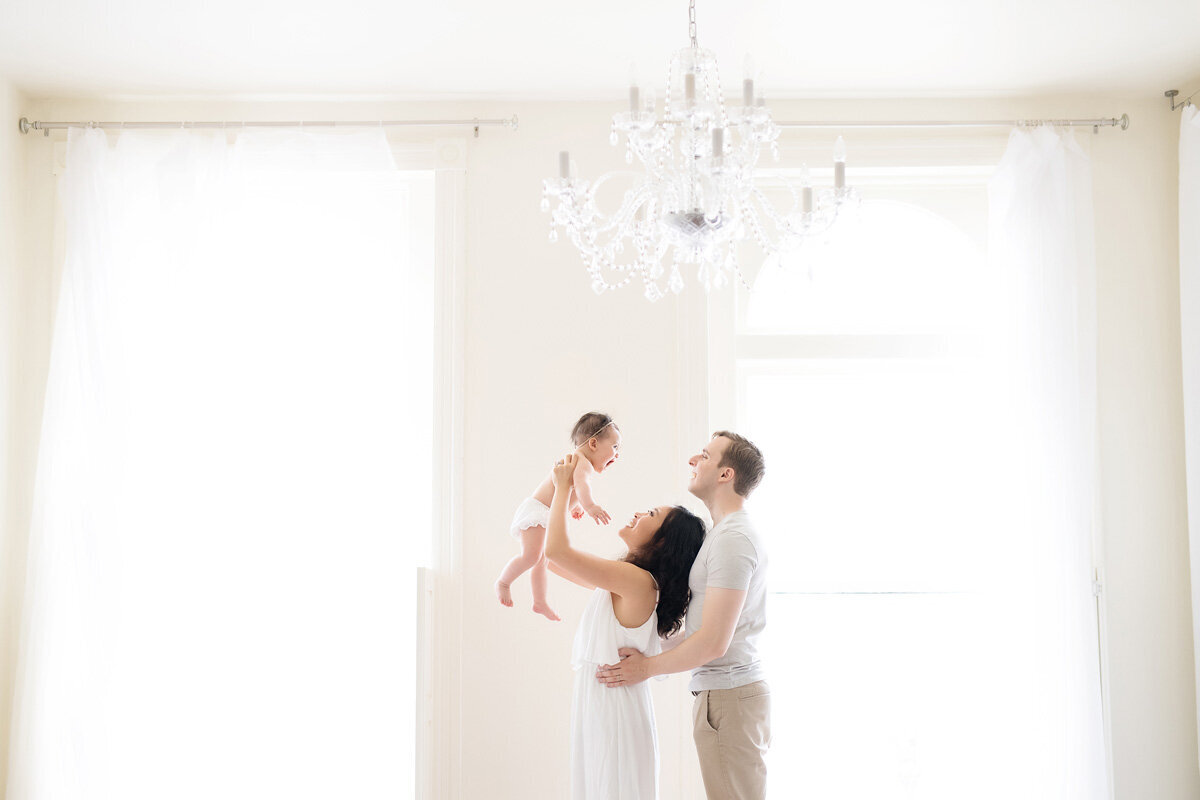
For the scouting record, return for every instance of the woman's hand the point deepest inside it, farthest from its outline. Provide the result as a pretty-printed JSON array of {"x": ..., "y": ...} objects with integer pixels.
[{"x": 563, "y": 471}]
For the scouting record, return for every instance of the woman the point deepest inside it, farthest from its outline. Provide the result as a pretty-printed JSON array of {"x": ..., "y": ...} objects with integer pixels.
[{"x": 637, "y": 599}]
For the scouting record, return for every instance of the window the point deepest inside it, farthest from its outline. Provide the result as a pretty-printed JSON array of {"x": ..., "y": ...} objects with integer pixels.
[
  {"x": 863, "y": 367},
  {"x": 289, "y": 604},
  {"x": 242, "y": 469}
]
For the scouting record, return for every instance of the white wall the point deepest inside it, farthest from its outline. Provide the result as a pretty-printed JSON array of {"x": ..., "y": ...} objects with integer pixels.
[
  {"x": 12, "y": 169},
  {"x": 540, "y": 348},
  {"x": 1142, "y": 479}
]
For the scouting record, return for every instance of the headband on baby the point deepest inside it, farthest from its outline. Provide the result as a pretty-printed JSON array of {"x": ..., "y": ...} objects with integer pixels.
[{"x": 594, "y": 435}]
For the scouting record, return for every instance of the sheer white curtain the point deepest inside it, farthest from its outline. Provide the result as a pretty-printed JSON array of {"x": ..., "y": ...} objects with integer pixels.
[
  {"x": 1189, "y": 323},
  {"x": 233, "y": 483},
  {"x": 1041, "y": 242}
]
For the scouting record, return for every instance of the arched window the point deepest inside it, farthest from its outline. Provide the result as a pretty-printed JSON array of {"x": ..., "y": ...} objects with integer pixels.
[
  {"x": 895, "y": 267},
  {"x": 862, "y": 367}
]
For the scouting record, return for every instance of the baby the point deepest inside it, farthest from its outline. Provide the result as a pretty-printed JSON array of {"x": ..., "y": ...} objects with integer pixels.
[{"x": 598, "y": 440}]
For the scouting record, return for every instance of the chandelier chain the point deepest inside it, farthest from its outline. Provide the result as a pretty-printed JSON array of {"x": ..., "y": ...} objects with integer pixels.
[{"x": 692, "y": 23}]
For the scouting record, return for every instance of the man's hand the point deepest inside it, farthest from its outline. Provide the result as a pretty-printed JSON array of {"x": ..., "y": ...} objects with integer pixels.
[
  {"x": 630, "y": 671},
  {"x": 599, "y": 514}
]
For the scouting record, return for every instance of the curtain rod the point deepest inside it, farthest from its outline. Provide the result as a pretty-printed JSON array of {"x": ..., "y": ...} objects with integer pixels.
[
  {"x": 1121, "y": 122},
  {"x": 27, "y": 126}
]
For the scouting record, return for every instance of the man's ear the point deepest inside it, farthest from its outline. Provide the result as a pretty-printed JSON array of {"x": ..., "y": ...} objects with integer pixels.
[{"x": 727, "y": 474}]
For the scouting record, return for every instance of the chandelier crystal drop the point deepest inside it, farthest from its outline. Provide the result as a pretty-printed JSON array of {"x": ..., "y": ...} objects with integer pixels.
[{"x": 697, "y": 198}]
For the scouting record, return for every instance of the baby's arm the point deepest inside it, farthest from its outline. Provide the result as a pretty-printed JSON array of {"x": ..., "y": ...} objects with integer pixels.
[
  {"x": 583, "y": 490},
  {"x": 576, "y": 506}
]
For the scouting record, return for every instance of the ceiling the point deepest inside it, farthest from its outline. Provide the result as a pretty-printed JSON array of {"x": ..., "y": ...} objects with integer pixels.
[{"x": 563, "y": 50}]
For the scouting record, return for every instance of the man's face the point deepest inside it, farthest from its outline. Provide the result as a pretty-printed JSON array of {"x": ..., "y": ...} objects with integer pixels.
[{"x": 703, "y": 481}]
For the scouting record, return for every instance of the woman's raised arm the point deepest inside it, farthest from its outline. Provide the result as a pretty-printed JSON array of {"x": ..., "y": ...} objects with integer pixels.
[
  {"x": 562, "y": 573},
  {"x": 557, "y": 542},
  {"x": 619, "y": 577}
]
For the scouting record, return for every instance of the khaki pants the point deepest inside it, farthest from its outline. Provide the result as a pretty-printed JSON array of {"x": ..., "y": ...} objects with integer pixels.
[{"x": 732, "y": 729}]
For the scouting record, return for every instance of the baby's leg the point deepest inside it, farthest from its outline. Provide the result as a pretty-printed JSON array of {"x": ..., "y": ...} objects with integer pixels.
[
  {"x": 537, "y": 578},
  {"x": 533, "y": 540}
]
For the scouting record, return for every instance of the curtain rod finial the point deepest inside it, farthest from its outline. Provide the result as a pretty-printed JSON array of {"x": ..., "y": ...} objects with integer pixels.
[{"x": 24, "y": 125}]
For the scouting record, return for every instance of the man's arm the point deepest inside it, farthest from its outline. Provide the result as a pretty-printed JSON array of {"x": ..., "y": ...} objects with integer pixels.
[
  {"x": 671, "y": 642},
  {"x": 722, "y": 607}
]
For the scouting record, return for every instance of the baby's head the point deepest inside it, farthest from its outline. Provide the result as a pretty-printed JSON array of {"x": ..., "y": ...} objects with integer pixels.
[{"x": 597, "y": 439}]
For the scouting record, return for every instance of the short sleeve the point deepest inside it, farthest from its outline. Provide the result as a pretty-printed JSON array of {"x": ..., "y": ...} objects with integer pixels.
[{"x": 732, "y": 560}]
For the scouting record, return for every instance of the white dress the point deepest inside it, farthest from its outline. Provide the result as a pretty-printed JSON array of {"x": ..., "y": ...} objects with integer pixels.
[{"x": 614, "y": 745}]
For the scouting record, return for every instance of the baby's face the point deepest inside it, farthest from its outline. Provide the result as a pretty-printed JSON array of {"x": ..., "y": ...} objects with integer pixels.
[{"x": 608, "y": 450}]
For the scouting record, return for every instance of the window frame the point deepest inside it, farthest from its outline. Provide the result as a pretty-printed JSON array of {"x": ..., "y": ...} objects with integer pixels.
[
  {"x": 725, "y": 353},
  {"x": 438, "y": 604},
  {"x": 439, "y": 609}
]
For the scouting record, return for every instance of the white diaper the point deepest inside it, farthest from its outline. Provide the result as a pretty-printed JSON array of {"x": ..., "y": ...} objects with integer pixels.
[{"x": 530, "y": 514}]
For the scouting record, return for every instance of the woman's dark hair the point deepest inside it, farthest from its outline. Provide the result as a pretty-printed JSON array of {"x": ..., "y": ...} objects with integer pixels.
[{"x": 668, "y": 557}]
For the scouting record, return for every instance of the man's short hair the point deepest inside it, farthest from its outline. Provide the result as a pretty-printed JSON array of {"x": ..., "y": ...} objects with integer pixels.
[{"x": 746, "y": 460}]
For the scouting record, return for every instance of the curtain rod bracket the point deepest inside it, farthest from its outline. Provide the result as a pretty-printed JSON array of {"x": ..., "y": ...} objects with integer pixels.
[{"x": 1171, "y": 94}]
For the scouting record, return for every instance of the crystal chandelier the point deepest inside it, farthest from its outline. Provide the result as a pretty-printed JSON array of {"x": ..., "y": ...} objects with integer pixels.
[{"x": 698, "y": 197}]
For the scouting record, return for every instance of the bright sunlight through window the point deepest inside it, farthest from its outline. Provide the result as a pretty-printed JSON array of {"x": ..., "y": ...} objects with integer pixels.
[{"x": 863, "y": 371}]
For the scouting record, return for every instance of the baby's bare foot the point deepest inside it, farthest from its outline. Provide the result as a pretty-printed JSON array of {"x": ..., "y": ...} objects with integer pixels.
[
  {"x": 504, "y": 593},
  {"x": 545, "y": 611}
]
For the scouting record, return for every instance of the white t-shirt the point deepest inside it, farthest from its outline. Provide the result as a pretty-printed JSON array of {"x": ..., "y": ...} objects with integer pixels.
[{"x": 732, "y": 557}]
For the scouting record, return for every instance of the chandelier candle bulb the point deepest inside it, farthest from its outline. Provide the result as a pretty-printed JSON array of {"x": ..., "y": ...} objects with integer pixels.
[
  {"x": 839, "y": 163},
  {"x": 718, "y": 140},
  {"x": 689, "y": 88},
  {"x": 635, "y": 100},
  {"x": 748, "y": 81},
  {"x": 564, "y": 165}
]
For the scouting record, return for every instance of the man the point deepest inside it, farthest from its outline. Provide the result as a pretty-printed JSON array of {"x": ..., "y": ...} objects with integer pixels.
[{"x": 724, "y": 619}]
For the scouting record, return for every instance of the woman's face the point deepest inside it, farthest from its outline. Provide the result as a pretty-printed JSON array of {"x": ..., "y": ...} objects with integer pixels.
[{"x": 641, "y": 529}]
